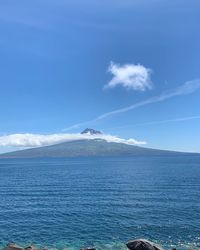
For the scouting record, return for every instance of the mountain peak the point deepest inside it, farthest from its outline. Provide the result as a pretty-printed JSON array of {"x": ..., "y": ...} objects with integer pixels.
[{"x": 91, "y": 131}]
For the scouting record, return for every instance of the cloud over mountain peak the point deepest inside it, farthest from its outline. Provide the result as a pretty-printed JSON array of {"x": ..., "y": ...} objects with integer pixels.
[{"x": 38, "y": 140}]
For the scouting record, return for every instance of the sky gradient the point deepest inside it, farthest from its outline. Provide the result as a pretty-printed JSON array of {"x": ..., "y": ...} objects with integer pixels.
[{"x": 65, "y": 64}]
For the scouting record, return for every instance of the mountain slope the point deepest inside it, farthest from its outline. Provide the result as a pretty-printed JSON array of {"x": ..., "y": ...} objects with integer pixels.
[{"x": 95, "y": 147}]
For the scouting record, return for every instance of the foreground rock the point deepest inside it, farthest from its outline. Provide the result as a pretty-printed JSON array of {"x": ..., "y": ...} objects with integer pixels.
[
  {"x": 13, "y": 246},
  {"x": 30, "y": 248},
  {"x": 142, "y": 244},
  {"x": 88, "y": 248},
  {"x": 138, "y": 244}
]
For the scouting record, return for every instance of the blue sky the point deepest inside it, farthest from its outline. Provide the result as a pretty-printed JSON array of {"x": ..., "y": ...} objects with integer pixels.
[{"x": 56, "y": 69}]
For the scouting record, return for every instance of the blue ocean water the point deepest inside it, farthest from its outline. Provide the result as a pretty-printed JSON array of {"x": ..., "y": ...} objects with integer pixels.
[{"x": 77, "y": 202}]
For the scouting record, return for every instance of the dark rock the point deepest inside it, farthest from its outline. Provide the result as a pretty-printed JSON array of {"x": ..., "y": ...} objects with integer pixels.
[
  {"x": 30, "y": 248},
  {"x": 13, "y": 246},
  {"x": 142, "y": 244}
]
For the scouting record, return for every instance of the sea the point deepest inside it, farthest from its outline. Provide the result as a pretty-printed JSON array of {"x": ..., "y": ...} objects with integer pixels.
[{"x": 71, "y": 203}]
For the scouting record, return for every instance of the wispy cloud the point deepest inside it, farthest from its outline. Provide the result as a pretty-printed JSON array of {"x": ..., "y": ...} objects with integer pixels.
[
  {"x": 180, "y": 119},
  {"x": 129, "y": 76},
  {"x": 184, "y": 89},
  {"x": 38, "y": 140}
]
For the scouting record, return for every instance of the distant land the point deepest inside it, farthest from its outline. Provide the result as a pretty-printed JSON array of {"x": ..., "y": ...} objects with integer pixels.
[{"x": 90, "y": 147}]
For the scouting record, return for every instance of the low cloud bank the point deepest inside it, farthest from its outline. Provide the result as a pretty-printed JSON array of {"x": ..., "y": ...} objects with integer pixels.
[{"x": 38, "y": 140}]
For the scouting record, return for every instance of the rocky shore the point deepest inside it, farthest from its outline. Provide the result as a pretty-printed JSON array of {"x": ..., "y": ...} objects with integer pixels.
[{"x": 138, "y": 244}]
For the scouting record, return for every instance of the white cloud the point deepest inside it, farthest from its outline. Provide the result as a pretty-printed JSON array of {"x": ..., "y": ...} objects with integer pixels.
[
  {"x": 38, "y": 140},
  {"x": 130, "y": 76}
]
